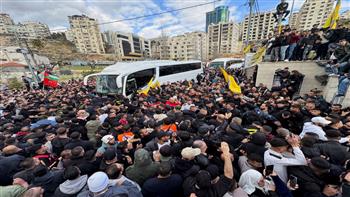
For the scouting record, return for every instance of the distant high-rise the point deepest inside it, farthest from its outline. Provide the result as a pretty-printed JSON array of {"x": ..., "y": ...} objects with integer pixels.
[
  {"x": 188, "y": 46},
  {"x": 126, "y": 46},
  {"x": 223, "y": 38},
  {"x": 262, "y": 25},
  {"x": 293, "y": 20},
  {"x": 314, "y": 12},
  {"x": 219, "y": 14},
  {"x": 86, "y": 34}
]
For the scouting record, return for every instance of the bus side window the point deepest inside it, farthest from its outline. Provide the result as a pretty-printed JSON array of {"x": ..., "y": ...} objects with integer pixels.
[
  {"x": 131, "y": 86},
  {"x": 142, "y": 77}
]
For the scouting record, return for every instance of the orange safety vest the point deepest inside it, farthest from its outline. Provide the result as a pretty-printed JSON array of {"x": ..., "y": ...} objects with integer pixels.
[
  {"x": 125, "y": 136},
  {"x": 170, "y": 127}
]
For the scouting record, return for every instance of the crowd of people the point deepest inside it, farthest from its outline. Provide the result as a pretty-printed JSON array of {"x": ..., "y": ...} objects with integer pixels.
[
  {"x": 183, "y": 139},
  {"x": 314, "y": 44},
  {"x": 330, "y": 47}
]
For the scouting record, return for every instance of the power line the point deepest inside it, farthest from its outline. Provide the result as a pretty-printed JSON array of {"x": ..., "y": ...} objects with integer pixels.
[{"x": 144, "y": 16}]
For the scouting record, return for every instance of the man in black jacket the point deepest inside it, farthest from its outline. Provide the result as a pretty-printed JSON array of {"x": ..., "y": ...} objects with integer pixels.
[
  {"x": 310, "y": 178},
  {"x": 332, "y": 149}
]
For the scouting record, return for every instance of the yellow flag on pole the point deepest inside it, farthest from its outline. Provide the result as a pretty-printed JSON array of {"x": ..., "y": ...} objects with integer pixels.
[
  {"x": 258, "y": 56},
  {"x": 233, "y": 86},
  {"x": 155, "y": 85},
  {"x": 247, "y": 49},
  {"x": 331, "y": 21},
  {"x": 224, "y": 73},
  {"x": 147, "y": 88}
]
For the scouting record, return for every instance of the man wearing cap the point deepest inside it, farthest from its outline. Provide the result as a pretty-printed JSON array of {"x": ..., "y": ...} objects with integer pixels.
[
  {"x": 98, "y": 185},
  {"x": 20, "y": 184},
  {"x": 185, "y": 165},
  {"x": 316, "y": 126},
  {"x": 274, "y": 156},
  {"x": 208, "y": 182},
  {"x": 108, "y": 142},
  {"x": 332, "y": 149},
  {"x": 311, "y": 178}
]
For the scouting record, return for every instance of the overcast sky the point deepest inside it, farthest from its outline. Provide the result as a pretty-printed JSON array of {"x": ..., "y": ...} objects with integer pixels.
[{"x": 55, "y": 12}]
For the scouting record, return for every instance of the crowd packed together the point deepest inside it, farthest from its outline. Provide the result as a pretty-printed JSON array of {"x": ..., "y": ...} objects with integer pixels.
[
  {"x": 330, "y": 47},
  {"x": 186, "y": 138},
  {"x": 315, "y": 44}
]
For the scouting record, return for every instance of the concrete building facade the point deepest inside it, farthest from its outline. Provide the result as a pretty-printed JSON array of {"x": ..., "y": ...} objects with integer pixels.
[
  {"x": 32, "y": 30},
  {"x": 293, "y": 20},
  {"x": 262, "y": 25},
  {"x": 86, "y": 34},
  {"x": 6, "y": 23},
  {"x": 314, "y": 12},
  {"x": 223, "y": 38},
  {"x": 219, "y": 14},
  {"x": 345, "y": 15},
  {"x": 127, "y": 46},
  {"x": 188, "y": 46}
]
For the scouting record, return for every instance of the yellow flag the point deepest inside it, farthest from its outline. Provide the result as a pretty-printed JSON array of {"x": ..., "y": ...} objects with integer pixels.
[
  {"x": 190, "y": 84},
  {"x": 331, "y": 21},
  {"x": 279, "y": 28},
  {"x": 155, "y": 85},
  {"x": 257, "y": 57},
  {"x": 224, "y": 73},
  {"x": 147, "y": 88},
  {"x": 247, "y": 49},
  {"x": 233, "y": 86}
]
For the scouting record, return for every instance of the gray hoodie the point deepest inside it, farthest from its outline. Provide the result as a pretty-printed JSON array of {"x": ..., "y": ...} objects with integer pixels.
[{"x": 73, "y": 186}]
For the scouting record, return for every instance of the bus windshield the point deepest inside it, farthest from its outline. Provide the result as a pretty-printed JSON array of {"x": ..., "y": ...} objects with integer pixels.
[
  {"x": 106, "y": 84},
  {"x": 217, "y": 64}
]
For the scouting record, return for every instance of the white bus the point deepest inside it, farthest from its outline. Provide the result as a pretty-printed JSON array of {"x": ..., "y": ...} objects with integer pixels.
[
  {"x": 226, "y": 63},
  {"x": 127, "y": 77}
]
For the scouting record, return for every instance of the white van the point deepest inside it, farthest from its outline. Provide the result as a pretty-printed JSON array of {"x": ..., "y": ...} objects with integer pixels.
[
  {"x": 127, "y": 77},
  {"x": 226, "y": 63}
]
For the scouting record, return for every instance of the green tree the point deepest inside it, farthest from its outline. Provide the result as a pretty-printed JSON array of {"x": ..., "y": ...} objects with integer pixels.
[
  {"x": 14, "y": 84},
  {"x": 37, "y": 44}
]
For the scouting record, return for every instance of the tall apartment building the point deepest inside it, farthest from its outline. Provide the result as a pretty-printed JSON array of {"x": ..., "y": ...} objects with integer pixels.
[
  {"x": 32, "y": 30},
  {"x": 219, "y": 14},
  {"x": 314, "y": 12},
  {"x": 25, "y": 30},
  {"x": 126, "y": 46},
  {"x": 6, "y": 24},
  {"x": 345, "y": 15},
  {"x": 261, "y": 26},
  {"x": 6, "y": 19},
  {"x": 293, "y": 20},
  {"x": 188, "y": 46},
  {"x": 86, "y": 34},
  {"x": 223, "y": 38}
]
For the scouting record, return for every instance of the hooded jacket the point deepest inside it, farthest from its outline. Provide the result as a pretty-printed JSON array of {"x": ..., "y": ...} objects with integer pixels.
[
  {"x": 143, "y": 167},
  {"x": 49, "y": 182},
  {"x": 12, "y": 190},
  {"x": 112, "y": 191},
  {"x": 70, "y": 188},
  {"x": 91, "y": 127}
]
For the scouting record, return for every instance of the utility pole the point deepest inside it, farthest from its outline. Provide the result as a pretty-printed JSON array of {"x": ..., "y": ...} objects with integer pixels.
[
  {"x": 25, "y": 53},
  {"x": 251, "y": 5},
  {"x": 291, "y": 12}
]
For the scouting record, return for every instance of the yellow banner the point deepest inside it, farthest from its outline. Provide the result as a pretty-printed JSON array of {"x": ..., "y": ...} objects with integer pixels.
[{"x": 331, "y": 21}]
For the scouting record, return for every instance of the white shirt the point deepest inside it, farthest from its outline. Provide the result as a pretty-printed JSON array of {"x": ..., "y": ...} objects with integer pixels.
[
  {"x": 309, "y": 127},
  {"x": 102, "y": 117},
  {"x": 281, "y": 162}
]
